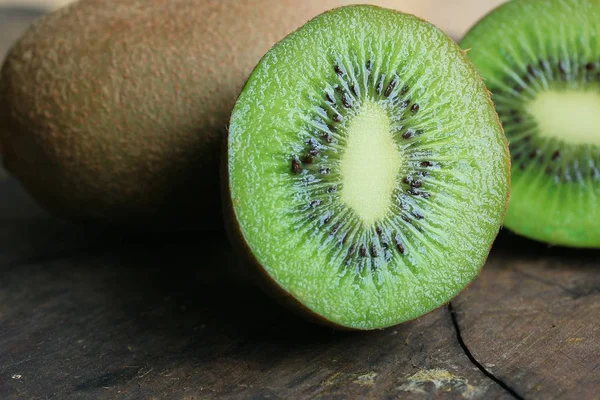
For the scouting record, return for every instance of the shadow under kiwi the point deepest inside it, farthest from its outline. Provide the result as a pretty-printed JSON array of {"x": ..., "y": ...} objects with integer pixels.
[{"x": 511, "y": 245}]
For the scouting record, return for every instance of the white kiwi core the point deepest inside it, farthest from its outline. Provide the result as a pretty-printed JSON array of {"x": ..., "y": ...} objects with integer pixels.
[
  {"x": 571, "y": 115},
  {"x": 370, "y": 165}
]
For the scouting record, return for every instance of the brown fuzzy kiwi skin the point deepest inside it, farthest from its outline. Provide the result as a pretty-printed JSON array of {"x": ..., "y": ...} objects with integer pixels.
[{"x": 113, "y": 111}]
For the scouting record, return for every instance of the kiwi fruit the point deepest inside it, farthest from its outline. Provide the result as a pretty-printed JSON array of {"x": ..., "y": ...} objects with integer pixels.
[
  {"x": 115, "y": 111},
  {"x": 367, "y": 173},
  {"x": 541, "y": 61}
]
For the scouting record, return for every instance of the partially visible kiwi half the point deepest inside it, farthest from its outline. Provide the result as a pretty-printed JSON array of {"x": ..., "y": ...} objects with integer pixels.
[
  {"x": 367, "y": 173},
  {"x": 541, "y": 61}
]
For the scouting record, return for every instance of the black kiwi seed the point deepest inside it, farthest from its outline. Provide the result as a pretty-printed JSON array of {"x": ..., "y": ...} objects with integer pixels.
[
  {"x": 346, "y": 101},
  {"x": 534, "y": 154},
  {"x": 338, "y": 70},
  {"x": 400, "y": 246},
  {"x": 416, "y": 184},
  {"x": 390, "y": 88},
  {"x": 352, "y": 250},
  {"x": 408, "y": 135},
  {"x": 296, "y": 167},
  {"x": 315, "y": 203},
  {"x": 345, "y": 239},
  {"x": 590, "y": 66},
  {"x": 369, "y": 65},
  {"x": 353, "y": 90},
  {"x": 335, "y": 228},
  {"x": 415, "y": 108},
  {"x": 379, "y": 230},
  {"x": 363, "y": 251},
  {"x": 329, "y": 98},
  {"x": 426, "y": 164},
  {"x": 404, "y": 90},
  {"x": 337, "y": 117},
  {"x": 325, "y": 171},
  {"x": 556, "y": 155},
  {"x": 374, "y": 252},
  {"x": 530, "y": 69}
]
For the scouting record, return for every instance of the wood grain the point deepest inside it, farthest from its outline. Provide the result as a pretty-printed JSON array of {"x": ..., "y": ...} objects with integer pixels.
[
  {"x": 534, "y": 316},
  {"x": 92, "y": 312}
]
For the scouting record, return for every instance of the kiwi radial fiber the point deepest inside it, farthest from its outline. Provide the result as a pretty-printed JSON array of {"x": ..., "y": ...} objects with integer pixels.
[
  {"x": 115, "y": 110},
  {"x": 541, "y": 61},
  {"x": 367, "y": 172}
]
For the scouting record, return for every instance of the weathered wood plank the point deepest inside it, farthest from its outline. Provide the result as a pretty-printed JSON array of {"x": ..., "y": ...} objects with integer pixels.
[
  {"x": 161, "y": 317},
  {"x": 533, "y": 316}
]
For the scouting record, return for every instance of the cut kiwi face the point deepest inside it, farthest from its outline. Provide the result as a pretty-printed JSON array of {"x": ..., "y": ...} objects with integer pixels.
[
  {"x": 367, "y": 172},
  {"x": 541, "y": 61}
]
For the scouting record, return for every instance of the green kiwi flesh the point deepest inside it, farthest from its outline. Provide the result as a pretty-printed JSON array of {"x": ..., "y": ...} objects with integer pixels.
[
  {"x": 367, "y": 172},
  {"x": 541, "y": 61}
]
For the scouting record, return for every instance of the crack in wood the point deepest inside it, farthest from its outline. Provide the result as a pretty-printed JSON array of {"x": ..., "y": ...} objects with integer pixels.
[{"x": 474, "y": 361}]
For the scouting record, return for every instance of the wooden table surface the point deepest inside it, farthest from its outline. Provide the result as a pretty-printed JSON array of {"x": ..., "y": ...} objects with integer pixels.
[{"x": 88, "y": 313}]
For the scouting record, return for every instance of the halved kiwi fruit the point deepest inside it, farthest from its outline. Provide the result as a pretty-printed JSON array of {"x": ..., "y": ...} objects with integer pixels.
[
  {"x": 541, "y": 61},
  {"x": 367, "y": 172}
]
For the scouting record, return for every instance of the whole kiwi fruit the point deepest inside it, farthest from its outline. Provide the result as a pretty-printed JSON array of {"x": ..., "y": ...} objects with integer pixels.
[{"x": 114, "y": 110}]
